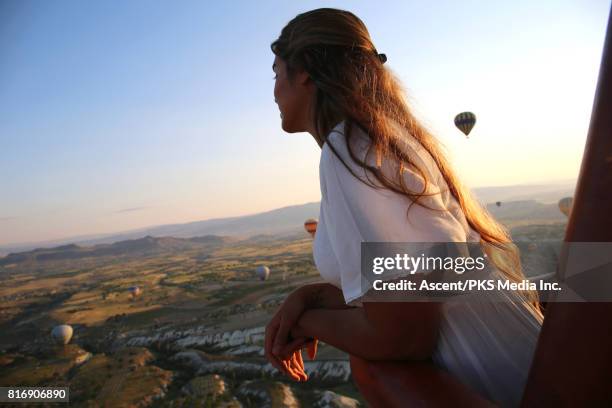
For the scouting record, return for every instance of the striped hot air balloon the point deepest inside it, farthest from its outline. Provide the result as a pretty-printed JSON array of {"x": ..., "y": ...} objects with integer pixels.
[
  {"x": 465, "y": 121},
  {"x": 310, "y": 225}
]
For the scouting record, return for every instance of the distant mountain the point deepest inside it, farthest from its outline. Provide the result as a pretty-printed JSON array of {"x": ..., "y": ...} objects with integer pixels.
[
  {"x": 280, "y": 221},
  {"x": 531, "y": 202},
  {"x": 141, "y": 246},
  {"x": 526, "y": 210},
  {"x": 546, "y": 193},
  {"x": 285, "y": 221}
]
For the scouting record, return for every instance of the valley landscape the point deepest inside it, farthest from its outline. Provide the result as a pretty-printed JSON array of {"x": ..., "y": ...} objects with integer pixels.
[{"x": 193, "y": 335}]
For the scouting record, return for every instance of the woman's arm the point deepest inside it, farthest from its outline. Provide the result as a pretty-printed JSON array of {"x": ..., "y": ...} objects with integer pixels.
[
  {"x": 377, "y": 331},
  {"x": 323, "y": 296},
  {"x": 318, "y": 295},
  {"x": 314, "y": 296}
]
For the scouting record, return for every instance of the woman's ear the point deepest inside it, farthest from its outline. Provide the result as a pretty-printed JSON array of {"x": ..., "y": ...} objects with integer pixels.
[{"x": 303, "y": 77}]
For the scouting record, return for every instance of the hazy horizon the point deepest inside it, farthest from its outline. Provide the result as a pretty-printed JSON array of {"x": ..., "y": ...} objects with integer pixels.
[
  {"x": 120, "y": 116},
  {"x": 84, "y": 237}
]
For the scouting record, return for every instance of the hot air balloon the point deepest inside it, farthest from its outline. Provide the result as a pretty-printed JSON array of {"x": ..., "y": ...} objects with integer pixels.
[
  {"x": 310, "y": 225},
  {"x": 134, "y": 291},
  {"x": 498, "y": 203},
  {"x": 62, "y": 334},
  {"x": 262, "y": 272},
  {"x": 565, "y": 205},
  {"x": 465, "y": 121}
]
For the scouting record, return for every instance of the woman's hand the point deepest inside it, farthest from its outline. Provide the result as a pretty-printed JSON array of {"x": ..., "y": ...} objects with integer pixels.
[
  {"x": 294, "y": 366},
  {"x": 278, "y": 335},
  {"x": 283, "y": 338},
  {"x": 300, "y": 341},
  {"x": 295, "y": 361},
  {"x": 308, "y": 343}
]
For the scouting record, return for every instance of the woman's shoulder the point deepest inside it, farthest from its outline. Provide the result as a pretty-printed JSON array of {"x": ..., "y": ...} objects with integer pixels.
[
  {"x": 360, "y": 143},
  {"x": 336, "y": 149},
  {"x": 337, "y": 138}
]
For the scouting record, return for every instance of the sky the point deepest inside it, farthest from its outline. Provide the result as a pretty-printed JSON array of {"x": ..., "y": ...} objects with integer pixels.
[{"x": 118, "y": 115}]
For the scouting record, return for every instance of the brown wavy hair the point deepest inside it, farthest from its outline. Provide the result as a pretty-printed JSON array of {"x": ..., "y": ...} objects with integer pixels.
[{"x": 334, "y": 47}]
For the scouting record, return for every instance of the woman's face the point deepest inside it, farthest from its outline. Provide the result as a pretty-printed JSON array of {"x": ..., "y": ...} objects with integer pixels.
[{"x": 292, "y": 97}]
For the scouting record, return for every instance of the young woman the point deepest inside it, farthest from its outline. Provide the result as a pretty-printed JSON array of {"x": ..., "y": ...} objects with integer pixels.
[{"x": 383, "y": 178}]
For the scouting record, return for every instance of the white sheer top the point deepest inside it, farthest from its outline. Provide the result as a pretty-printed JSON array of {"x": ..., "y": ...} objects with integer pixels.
[{"x": 488, "y": 346}]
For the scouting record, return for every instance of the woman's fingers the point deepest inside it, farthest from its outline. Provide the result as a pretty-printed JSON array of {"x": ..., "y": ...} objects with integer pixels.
[
  {"x": 282, "y": 336},
  {"x": 291, "y": 370},
  {"x": 279, "y": 335},
  {"x": 298, "y": 367},
  {"x": 293, "y": 365},
  {"x": 311, "y": 348},
  {"x": 309, "y": 343},
  {"x": 271, "y": 330},
  {"x": 290, "y": 348},
  {"x": 301, "y": 361}
]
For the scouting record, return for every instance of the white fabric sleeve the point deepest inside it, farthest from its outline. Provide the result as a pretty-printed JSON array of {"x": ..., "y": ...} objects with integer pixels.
[{"x": 355, "y": 213}]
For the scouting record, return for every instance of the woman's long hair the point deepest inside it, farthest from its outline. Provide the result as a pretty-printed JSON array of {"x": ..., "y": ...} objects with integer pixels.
[{"x": 334, "y": 47}]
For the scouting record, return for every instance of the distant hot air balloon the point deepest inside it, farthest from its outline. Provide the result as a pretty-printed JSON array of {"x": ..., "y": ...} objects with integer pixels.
[
  {"x": 62, "y": 334},
  {"x": 498, "y": 203},
  {"x": 465, "y": 121},
  {"x": 262, "y": 272},
  {"x": 565, "y": 205},
  {"x": 134, "y": 291},
  {"x": 310, "y": 225}
]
